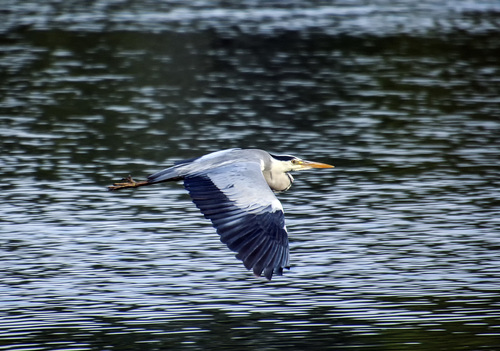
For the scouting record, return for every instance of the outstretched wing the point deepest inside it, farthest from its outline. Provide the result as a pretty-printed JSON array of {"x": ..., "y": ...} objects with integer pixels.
[{"x": 246, "y": 214}]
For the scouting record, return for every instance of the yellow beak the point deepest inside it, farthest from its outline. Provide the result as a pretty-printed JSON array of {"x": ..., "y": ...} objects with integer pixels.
[{"x": 311, "y": 164}]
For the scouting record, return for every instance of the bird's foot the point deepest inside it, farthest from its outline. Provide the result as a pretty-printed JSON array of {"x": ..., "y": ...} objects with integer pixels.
[{"x": 128, "y": 183}]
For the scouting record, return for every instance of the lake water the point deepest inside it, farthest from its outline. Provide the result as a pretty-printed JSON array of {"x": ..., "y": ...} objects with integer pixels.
[{"x": 397, "y": 248}]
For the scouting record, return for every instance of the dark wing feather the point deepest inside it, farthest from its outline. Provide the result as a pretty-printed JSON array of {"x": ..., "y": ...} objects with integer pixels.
[{"x": 246, "y": 214}]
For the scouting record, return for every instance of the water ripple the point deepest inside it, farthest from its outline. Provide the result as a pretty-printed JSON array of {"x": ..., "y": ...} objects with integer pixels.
[{"x": 395, "y": 248}]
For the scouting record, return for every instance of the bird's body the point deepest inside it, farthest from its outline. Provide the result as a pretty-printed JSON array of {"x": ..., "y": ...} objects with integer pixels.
[
  {"x": 271, "y": 168},
  {"x": 235, "y": 188}
]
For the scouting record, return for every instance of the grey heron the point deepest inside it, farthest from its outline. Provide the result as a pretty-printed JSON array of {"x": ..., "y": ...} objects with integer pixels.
[{"x": 235, "y": 188}]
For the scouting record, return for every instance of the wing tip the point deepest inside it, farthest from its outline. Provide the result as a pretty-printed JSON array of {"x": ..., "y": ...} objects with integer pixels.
[{"x": 269, "y": 271}]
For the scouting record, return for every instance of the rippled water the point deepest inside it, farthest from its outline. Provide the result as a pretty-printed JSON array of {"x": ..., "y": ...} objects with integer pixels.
[{"x": 397, "y": 248}]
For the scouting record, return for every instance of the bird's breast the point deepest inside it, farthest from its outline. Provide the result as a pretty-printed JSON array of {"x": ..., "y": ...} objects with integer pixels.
[{"x": 278, "y": 181}]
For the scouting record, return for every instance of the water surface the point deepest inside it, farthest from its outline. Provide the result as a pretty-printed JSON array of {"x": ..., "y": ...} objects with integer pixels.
[{"x": 397, "y": 248}]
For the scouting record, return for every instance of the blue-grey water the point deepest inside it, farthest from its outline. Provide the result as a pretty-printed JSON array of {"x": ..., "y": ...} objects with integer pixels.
[{"x": 397, "y": 248}]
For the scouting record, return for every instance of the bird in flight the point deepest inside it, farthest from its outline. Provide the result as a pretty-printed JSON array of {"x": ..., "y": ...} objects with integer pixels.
[{"x": 235, "y": 189}]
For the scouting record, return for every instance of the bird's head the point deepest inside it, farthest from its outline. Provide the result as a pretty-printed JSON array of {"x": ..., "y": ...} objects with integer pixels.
[{"x": 292, "y": 163}]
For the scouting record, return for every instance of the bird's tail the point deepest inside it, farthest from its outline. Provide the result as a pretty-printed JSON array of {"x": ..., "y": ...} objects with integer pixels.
[{"x": 166, "y": 175}]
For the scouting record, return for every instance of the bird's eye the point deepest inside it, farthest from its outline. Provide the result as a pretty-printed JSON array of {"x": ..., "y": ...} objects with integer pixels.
[{"x": 296, "y": 161}]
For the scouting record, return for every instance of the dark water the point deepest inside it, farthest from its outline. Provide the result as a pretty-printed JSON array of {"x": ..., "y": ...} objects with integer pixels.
[{"x": 397, "y": 248}]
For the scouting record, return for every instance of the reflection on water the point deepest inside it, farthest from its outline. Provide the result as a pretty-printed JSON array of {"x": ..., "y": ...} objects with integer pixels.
[{"x": 396, "y": 249}]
